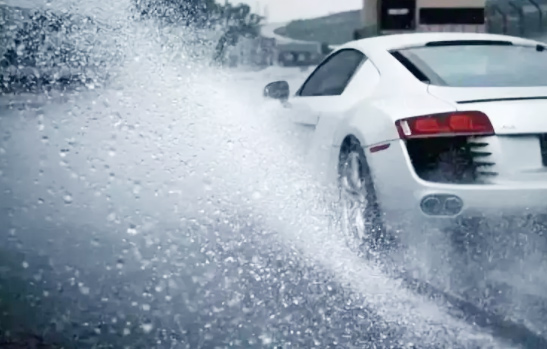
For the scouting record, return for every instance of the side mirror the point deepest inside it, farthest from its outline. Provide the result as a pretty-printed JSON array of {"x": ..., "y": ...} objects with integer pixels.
[{"x": 277, "y": 90}]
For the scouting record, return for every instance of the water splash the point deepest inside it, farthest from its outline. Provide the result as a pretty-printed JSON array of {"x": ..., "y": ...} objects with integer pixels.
[{"x": 197, "y": 151}]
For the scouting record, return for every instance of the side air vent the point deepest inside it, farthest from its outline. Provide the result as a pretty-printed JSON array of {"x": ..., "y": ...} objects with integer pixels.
[{"x": 481, "y": 158}]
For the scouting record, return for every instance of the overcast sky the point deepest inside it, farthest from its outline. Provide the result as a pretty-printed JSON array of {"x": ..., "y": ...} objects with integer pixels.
[{"x": 286, "y": 10}]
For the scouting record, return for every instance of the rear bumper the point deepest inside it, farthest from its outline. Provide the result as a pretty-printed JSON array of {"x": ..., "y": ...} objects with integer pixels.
[
  {"x": 400, "y": 192},
  {"x": 491, "y": 200}
]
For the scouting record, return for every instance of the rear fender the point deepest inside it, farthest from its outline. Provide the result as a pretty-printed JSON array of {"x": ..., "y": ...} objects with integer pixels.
[
  {"x": 373, "y": 121},
  {"x": 366, "y": 123}
]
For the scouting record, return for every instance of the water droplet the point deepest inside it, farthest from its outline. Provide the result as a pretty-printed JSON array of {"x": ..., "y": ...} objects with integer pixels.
[
  {"x": 68, "y": 199},
  {"x": 25, "y": 265},
  {"x": 119, "y": 263},
  {"x": 208, "y": 183},
  {"x": 132, "y": 230},
  {"x": 266, "y": 340},
  {"x": 40, "y": 201},
  {"x": 84, "y": 290},
  {"x": 126, "y": 332},
  {"x": 112, "y": 152},
  {"x": 256, "y": 195},
  {"x": 147, "y": 328},
  {"x": 111, "y": 217},
  {"x": 146, "y": 307}
]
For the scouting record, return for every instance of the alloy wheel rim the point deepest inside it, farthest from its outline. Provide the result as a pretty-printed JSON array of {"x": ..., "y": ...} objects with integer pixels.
[{"x": 353, "y": 199}]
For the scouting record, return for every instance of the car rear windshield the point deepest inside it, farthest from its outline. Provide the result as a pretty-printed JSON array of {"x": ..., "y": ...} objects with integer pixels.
[{"x": 477, "y": 65}]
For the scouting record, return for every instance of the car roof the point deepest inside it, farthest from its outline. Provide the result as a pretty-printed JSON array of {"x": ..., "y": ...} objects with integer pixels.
[
  {"x": 400, "y": 41},
  {"x": 377, "y": 49}
]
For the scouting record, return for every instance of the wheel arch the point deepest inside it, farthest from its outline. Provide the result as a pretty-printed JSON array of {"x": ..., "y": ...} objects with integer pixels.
[
  {"x": 373, "y": 209},
  {"x": 349, "y": 141},
  {"x": 367, "y": 123}
]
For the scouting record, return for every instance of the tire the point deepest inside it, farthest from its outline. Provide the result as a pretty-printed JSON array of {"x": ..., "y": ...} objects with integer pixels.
[{"x": 361, "y": 218}]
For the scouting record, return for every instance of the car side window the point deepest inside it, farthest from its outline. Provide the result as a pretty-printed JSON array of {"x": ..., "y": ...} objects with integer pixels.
[{"x": 333, "y": 75}]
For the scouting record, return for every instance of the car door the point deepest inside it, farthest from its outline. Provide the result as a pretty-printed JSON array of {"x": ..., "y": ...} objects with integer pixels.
[
  {"x": 325, "y": 85},
  {"x": 322, "y": 95}
]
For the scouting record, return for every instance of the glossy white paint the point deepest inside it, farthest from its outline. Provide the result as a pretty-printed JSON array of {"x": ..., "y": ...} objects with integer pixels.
[{"x": 383, "y": 91}]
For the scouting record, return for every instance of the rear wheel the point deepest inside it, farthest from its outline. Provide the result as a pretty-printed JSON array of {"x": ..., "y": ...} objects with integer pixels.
[{"x": 361, "y": 218}]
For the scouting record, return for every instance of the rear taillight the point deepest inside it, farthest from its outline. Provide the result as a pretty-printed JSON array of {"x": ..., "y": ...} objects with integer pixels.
[{"x": 466, "y": 123}]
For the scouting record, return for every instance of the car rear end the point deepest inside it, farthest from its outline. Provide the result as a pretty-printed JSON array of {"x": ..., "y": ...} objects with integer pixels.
[
  {"x": 493, "y": 168},
  {"x": 486, "y": 156}
]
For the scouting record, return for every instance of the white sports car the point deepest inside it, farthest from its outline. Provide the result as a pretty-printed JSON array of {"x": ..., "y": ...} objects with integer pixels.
[{"x": 429, "y": 127}]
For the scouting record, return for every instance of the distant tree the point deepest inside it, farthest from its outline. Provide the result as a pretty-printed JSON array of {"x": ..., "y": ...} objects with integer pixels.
[
  {"x": 42, "y": 50},
  {"x": 198, "y": 13},
  {"x": 236, "y": 21}
]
